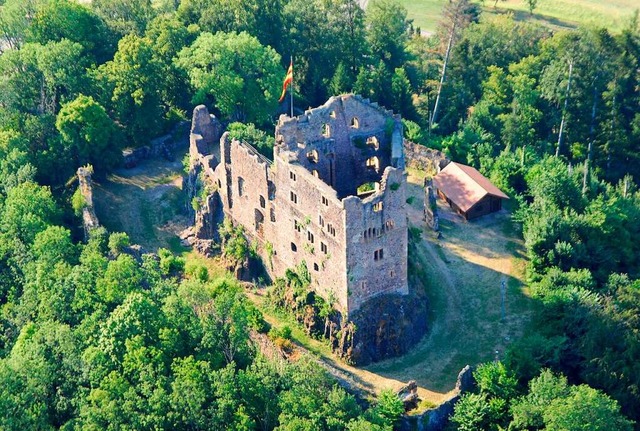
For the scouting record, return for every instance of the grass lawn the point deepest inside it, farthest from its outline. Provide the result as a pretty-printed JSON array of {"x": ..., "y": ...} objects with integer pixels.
[{"x": 613, "y": 14}]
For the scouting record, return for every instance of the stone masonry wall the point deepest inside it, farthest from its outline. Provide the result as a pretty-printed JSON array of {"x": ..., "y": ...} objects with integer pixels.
[
  {"x": 425, "y": 159},
  {"x": 85, "y": 185}
]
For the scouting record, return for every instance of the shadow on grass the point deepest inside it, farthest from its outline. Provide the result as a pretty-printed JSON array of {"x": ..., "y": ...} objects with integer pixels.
[{"x": 520, "y": 15}]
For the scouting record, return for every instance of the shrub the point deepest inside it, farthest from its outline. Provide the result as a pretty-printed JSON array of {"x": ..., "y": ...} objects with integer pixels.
[{"x": 118, "y": 241}]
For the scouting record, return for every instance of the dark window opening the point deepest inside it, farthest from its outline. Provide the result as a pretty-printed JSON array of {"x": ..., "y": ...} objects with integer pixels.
[
  {"x": 240, "y": 186},
  {"x": 315, "y": 267},
  {"x": 294, "y": 248},
  {"x": 373, "y": 142},
  {"x": 373, "y": 163},
  {"x": 310, "y": 236},
  {"x": 294, "y": 198},
  {"x": 326, "y": 130},
  {"x": 263, "y": 204},
  {"x": 259, "y": 219},
  {"x": 323, "y": 248},
  {"x": 378, "y": 254},
  {"x": 272, "y": 215},
  {"x": 271, "y": 189}
]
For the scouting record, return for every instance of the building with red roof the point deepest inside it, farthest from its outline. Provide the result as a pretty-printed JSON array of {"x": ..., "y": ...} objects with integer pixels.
[{"x": 467, "y": 191}]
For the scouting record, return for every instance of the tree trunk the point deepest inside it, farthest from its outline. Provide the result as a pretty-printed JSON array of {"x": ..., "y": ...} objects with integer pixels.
[
  {"x": 592, "y": 127},
  {"x": 564, "y": 110},
  {"x": 442, "y": 76}
]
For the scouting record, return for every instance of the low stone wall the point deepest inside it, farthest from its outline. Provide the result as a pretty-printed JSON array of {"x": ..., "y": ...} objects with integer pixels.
[
  {"x": 163, "y": 146},
  {"x": 423, "y": 158},
  {"x": 436, "y": 419}
]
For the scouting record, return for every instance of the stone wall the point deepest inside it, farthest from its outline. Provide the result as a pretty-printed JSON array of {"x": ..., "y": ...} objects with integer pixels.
[
  {"x": 425, "y": 159},
  {"x": 436, "y": 419},
  {"x": 305, "y": 206},
  {"x": 85, "y": 185},
  {"x": 163, "y": 146}
]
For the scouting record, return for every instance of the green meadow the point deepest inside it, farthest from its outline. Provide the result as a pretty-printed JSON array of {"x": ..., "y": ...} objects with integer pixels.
[{"x": 613, "y": 14}]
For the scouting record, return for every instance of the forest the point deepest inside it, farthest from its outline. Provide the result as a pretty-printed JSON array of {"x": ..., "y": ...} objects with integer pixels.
[{"x": 94, "y": 337}]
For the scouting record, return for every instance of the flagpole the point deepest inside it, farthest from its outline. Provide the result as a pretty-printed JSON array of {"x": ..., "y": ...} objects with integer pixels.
[{"x": 291, "y": 89}]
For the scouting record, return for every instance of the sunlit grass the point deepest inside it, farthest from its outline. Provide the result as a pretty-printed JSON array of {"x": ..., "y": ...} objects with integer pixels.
[{"x": 613, "y": 14}]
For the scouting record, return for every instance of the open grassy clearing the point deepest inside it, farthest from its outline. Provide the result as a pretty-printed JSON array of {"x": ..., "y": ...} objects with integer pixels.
[
  {"x": 613, "y": 14},
  {"x": 146, "y": 202},
  {"x": 463, "y": 271}
]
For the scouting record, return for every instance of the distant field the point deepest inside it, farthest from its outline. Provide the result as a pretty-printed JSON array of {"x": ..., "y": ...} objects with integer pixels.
[{"x": 613, "y": 14}]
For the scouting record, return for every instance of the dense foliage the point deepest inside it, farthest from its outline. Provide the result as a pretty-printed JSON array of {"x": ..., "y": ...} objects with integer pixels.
[{"x": 94, "y": 338}]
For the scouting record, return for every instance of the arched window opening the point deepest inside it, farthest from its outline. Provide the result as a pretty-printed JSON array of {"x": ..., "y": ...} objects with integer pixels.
[{"x": 373, "y": 142}]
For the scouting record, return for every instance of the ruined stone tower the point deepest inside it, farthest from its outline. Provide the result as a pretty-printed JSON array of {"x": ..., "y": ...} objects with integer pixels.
[{"x": 333, "y": 197}]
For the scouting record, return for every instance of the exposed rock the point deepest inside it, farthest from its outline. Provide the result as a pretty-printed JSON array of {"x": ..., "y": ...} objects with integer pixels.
[
  {"x": 163, "y": 146},
  {"x": 465, "y": 382},
  {"x": 408, "y": 394},
  {"x": 387, "y": 326},
  {"x": 131, "y": 157}
]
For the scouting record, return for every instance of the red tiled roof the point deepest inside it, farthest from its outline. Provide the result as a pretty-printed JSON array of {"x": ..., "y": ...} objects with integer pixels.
[{"x": 465, "y": 186}]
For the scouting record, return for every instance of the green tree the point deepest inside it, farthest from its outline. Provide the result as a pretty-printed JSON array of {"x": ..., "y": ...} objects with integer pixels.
[
  {"x": 249, "y": 133},
  {"x": 387, "y": 33},
  {"x": 241, "y": 76},
  {"x": 125, "y": 16},
  {"x": 28, "y": 210},
  {"x": 40, "y": 379},
  {"x": 389, "y": 407},
  {"x": 90, "y": 136},
  {"x": 55, "y": 20},
  {"x": 553, "y": 405},
  {"x": 472, "y": 413},
  {"x": 121, "y": 277},
  {"x": 14, "y": 21},
  {"x": 133, "y": 86},
  {"x": 531, "y": 5},
  {"x": 38, "y": 78}
]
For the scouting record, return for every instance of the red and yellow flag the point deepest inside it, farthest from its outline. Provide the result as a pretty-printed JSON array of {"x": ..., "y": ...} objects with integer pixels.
[{"x": 287, "y": 80}]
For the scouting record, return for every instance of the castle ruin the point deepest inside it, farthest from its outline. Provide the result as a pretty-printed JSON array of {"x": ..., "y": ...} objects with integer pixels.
[{"x": 333, "y": 197}]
